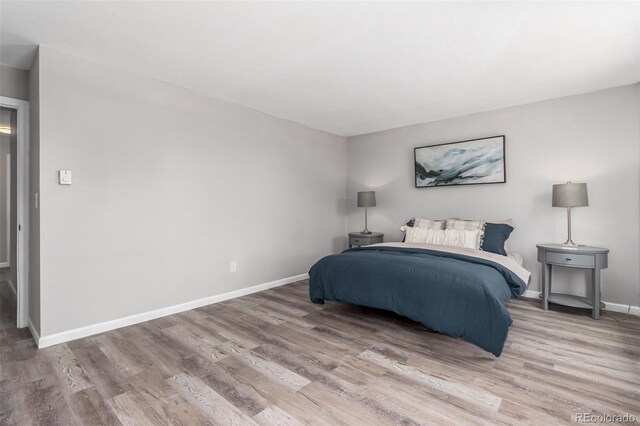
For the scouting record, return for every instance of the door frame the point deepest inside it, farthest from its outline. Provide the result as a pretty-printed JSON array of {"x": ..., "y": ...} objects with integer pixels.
[
  {"x": 7, "y": 264},
  {"x": 21, "y": 261}
]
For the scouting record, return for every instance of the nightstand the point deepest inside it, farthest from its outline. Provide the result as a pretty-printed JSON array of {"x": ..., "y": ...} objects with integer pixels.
[
  {"x": 359, "y": 239},
  {"x": 581, "y": 257}
]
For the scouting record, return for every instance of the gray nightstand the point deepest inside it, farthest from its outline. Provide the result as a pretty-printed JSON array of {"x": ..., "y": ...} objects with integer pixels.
[
  {"x": 583, "y": 257},
  {"x": 359, "y": 239}
]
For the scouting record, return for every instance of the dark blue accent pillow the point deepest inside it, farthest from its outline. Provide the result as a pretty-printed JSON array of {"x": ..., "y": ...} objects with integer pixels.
[{"x": 495, "y": 234}]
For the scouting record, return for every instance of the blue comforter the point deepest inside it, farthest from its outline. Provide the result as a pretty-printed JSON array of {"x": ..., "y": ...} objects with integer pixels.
[{"x": 454, "y": 294}]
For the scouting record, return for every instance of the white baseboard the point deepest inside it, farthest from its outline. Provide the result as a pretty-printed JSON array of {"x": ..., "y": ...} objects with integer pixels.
[
  {"x": 530, "y": 294},
  {"x": 12, "y": 288},
  {"x": 77, "y": 333},
  {"x": 34, "y": 333},
  {"x": 613, "y": 307}
]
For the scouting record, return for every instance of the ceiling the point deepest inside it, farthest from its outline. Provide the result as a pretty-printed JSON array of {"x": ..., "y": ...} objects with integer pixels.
[{"x": 346, "y": 67}]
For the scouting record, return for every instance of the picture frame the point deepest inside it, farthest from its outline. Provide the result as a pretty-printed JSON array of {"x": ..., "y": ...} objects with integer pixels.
[{"x": 469, "y": 162}]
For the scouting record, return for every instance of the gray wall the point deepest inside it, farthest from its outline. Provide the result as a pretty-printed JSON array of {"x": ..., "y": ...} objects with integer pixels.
[
  {"x": 593, "y": 138},
  {"x": 14, "y": 83},
  {"x": 34, "y": 188},
  {"x": 168, "y": 188}
]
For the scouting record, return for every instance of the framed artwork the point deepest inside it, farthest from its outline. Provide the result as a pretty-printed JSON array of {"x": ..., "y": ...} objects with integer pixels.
[{"x": 470, "y": 162}]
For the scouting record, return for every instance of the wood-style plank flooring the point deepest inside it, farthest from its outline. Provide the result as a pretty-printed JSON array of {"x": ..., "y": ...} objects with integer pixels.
[{"x": 275, "y": 358}]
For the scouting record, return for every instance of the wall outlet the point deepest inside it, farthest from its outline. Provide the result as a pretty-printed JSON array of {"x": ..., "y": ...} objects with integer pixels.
[{"x": 233, "y": 266}]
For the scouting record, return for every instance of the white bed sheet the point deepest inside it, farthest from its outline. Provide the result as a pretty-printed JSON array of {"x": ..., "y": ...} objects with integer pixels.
[{"x": 517, "y": 256}]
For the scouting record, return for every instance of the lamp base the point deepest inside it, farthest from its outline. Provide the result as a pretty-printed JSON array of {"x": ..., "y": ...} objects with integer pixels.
[
  {"x": 570, "y": 244},
  {"x": 366, "y": 225}
]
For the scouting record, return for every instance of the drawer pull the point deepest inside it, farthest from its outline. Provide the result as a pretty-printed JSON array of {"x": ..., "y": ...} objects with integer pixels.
[{"x": 568, "y": 259}]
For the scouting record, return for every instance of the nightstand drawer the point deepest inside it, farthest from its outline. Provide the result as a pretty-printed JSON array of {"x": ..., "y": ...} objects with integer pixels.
[
  {"x": 359, "y": 241},
  {"x": 568, "y": 259}
]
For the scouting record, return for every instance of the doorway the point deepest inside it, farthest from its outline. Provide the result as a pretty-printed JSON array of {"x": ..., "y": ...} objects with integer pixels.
[
  {"x": 13, "y": 212},
  {"x": 8, "y": 219}
]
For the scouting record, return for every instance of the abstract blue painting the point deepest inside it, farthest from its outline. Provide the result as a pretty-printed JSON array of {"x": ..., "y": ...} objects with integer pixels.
[{"x": 461, "y": 163}]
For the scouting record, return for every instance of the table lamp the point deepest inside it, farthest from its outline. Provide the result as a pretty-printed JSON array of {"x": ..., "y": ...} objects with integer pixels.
[
  {"x": 366, "y": 199},
  {"x": 570, "y": 195}
]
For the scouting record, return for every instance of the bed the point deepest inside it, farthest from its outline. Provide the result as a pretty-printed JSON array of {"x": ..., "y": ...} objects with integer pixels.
[{"x": 461, "y": 292}]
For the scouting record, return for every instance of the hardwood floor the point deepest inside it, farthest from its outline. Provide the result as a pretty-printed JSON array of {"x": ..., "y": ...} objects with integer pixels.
[{"x": 276, "y": 358}]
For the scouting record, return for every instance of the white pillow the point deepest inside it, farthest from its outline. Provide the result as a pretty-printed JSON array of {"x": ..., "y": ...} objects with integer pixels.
[
  {"x": 429, "y": 224},
  {"x": 416, "y": 235},
  {"x": 443, "y": 237},
  {"x": 455, "y": 223},
  {"x": 425, "y": 224},
  {"x": 454, "y": 237},
  {"x": 468, "y": 225}
]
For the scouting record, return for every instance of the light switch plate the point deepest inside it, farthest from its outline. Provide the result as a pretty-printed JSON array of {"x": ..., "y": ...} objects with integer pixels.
[{"x": 64, "y": 177}]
